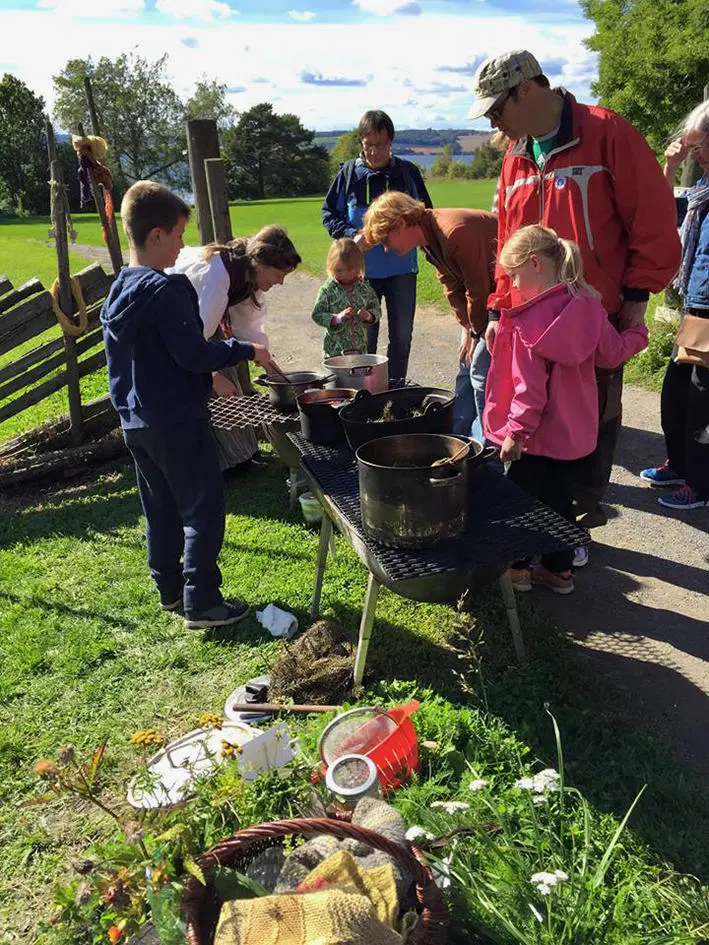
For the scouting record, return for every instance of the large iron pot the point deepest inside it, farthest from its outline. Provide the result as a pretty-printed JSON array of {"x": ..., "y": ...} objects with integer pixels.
[
  {"x": 282, "y": 391},
  {"x": 407, "y": 502},
  {"x": 403, "y": 410},
  {"x": 320, "y": 414},
  {"x": 360, "y": 371}
]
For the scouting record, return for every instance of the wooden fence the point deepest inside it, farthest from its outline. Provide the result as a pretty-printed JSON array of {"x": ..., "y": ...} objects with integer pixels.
[{"x": 26, "y": 313}]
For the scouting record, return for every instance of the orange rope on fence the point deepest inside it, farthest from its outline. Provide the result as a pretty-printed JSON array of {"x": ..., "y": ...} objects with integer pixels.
[{"x": 68, "y": 326}]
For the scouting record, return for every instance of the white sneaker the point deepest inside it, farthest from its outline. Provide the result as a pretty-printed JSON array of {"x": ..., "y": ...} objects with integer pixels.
[{"x": 580, "y": 556}]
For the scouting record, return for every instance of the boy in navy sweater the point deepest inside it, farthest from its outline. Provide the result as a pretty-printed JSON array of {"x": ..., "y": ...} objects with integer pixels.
[{"x": 160, "y": 375}]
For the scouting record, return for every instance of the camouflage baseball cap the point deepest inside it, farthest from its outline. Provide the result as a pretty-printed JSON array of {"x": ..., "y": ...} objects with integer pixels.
[{"x": 499, "y": 74}]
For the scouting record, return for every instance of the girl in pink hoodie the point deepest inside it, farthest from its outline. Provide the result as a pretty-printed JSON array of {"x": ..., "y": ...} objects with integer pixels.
[{"x": 541, "y": 401}]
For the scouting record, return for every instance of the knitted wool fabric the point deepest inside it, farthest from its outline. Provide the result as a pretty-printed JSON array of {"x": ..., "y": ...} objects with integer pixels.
[
  {"x": 326, "y": 917},
  {"x": 377, "y": 884}
]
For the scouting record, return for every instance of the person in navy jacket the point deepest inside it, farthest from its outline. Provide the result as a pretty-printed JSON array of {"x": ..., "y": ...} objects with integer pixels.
[{"x": 357, "y": 184}]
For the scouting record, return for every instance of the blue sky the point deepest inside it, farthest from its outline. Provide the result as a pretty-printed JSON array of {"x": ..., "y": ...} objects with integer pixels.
[{"x": 325, "y": 60}]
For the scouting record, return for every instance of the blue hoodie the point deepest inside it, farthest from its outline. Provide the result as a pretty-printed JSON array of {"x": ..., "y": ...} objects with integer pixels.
[{"x": 159, "y": 365}]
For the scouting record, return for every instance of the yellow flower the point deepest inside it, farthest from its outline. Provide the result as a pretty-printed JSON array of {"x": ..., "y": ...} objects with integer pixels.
[
  {"x": 210, "y": 720},
  {"x": 146, "y": 737},
  {"x": 229, "y": 750}
]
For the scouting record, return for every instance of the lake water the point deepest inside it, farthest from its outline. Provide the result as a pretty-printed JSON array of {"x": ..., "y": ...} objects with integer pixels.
[{"x": 426, "y": 160}]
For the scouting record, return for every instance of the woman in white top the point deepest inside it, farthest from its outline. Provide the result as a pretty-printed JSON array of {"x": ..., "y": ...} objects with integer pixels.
[{"x": 231, "y": 282}]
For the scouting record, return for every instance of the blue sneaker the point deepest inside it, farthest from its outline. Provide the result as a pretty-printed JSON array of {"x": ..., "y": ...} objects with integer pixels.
[
  {"x": 661, "y": 476},
  {"x": 685, "y": 498}
]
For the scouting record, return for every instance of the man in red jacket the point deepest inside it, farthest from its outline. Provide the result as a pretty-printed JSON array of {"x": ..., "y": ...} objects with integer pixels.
[{"x": 591, "y": 176}]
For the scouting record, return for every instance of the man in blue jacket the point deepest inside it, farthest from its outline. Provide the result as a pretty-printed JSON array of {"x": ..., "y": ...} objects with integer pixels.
[
  {"x": 358, "y": 183},
  {"x": 160, "y": 375}
]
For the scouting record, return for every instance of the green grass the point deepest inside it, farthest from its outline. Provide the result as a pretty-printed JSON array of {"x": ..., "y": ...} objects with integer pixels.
[{"x": 86, "y": 652}]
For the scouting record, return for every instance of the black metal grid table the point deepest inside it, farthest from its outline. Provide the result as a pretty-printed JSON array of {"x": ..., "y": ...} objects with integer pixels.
[
  {"x": 247, "y": 412},
  {"x": 504, "y": 524}
]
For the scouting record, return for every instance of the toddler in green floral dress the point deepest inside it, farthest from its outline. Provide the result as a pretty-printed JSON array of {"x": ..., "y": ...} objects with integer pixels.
[{"x": 346, "y": 303}]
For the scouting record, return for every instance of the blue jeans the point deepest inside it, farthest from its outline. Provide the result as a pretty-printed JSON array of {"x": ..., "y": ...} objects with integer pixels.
[
  {"x": 479, "y": 366},
  {"x": 400, "y": 295},
  {"x": 464, "y": 403},
  {"x": 182, "y": 495}
]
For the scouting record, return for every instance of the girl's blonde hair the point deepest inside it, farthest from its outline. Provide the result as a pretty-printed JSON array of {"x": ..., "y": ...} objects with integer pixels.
[
  {"x": 389, "y": 211},
  {"x": 541, "y": 241},
  {"x": 347, "y": 252}
]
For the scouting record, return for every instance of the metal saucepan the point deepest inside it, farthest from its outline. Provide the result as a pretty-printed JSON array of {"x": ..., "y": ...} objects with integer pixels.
[
  {"x": 407, "y": 503},
  {"x": 320, "y": 414},
  {"x": 361, "y": 371},
  {"x": 282, "y": 393},
  {"x": 403, "y": 410}
]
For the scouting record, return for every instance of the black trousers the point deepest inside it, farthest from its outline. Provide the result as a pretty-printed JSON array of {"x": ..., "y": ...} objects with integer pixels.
[
  {"x": 593, "y": 472},
  {"x": 400, "y": 295},
  {"x": 684, "y": 409},
  {"x": 182, "y": 495},
  {"x": 552, "y": 482}
]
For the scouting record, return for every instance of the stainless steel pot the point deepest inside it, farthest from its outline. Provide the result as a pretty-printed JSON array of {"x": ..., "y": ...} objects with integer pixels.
[
  {"x": 405, "y": 501},
  {"x": 282, "y": 393},
  {"x": 360, "y": 371}
]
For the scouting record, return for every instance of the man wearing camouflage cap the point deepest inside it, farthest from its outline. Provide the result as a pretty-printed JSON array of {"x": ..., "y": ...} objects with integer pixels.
[{"x": 591, "y": 176}]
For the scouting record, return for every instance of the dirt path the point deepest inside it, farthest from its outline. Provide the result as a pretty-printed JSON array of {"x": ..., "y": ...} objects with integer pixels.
[{"x": 641, "y": 610}]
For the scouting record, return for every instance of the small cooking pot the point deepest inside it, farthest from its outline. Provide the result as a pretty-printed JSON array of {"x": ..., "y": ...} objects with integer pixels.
[
  {"x": 406, "y": 502},
  {"x": 320, "y": 414},
  {"x": 402, "y": 410},
  {"x": 283, "y": 392},
  {"x": 361, "y": 371}
]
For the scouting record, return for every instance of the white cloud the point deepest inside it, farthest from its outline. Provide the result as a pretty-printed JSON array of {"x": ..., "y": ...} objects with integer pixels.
[
  {"x": 301, "y": 16},
  {"x": 195, "y": 9},
  {"x": 105, "y": 9},
  {"x": 386, "y": 7},
  {"x": 398, "y": 48}
]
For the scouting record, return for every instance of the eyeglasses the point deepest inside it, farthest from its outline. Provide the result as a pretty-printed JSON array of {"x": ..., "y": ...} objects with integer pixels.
[
  {"x": 495, "y": 113},
  {"x": 370, "y": 148}
]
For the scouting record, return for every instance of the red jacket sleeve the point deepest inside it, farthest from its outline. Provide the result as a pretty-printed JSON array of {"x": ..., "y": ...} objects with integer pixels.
[{"x": 646, "y": 206}]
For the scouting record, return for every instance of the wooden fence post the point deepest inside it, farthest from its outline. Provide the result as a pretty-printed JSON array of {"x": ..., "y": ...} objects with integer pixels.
[
  {"x": 218, "y": 193},
  {"x": 202, "y": 143},
  {"x": 691, "y": 172},
  {"x": 66, "y": 300},
  {"x": 110, "y": 227}
]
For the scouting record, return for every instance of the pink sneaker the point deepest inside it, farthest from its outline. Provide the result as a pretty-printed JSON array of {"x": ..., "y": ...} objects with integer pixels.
[{"x": 562, "y": 583}]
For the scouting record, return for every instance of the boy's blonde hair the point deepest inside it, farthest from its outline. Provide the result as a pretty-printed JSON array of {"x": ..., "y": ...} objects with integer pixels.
[
  {"x": 541, "y": 241},
  {"x": 388, "y": 212},
  {"x": 146, "y": 205},
  {"x": 347, "y": 252}
]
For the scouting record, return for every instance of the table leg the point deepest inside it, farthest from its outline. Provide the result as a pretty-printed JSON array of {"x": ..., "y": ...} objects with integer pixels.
[
  {"x": 325, "y": 536},
  {"x": 365, "y": 627},
  {"x": 293, "y": 488},
  {"x": 508, "y": 596}
]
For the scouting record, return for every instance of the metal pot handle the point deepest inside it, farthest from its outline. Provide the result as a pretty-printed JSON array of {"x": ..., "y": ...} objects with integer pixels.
[
  {"x": 488, "y": 452},
  {"x": 327, "y": 379},
  {"x": 261, "y": 380},
  {"x": 364, "y": 370},
  {"x": 444, "y": 480}
]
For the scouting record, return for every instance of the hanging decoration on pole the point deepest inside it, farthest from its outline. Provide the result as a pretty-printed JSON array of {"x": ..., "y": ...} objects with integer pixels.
[{"x": 90, "y": 151}]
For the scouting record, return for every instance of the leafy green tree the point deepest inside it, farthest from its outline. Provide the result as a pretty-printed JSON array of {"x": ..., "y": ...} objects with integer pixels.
[
  {"x": 457, "y": 170},
  {"x": 344, "y": 149},
  {"x": 23, "y": 149},
  {"x": 653, "y": 60},
  {"x": 209, "y": 101},
  {"x": 140, "y": 114},
  {"x": 486, "y": 162},
  {"x": 442, "y": 164},
  {"x": 273, "y": 155}
]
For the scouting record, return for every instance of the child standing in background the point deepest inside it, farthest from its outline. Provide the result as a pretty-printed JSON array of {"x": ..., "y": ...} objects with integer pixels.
[
  {"x": 346, "y": 303},
  {"x": 541, "y": 397}
]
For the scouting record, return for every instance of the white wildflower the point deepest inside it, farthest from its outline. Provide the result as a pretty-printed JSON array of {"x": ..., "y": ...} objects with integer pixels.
[
  {"x": 451, "y": 807},
  {"x": 540, "y": 799},
  {"x": 536, "y": 913},
  {"x": 478, "y": 784},
  {"x": 545, "y": 881},
  {"x": 418, "y": 833},
  {"x": 540, "y": 783},
  {"x": 525, "y": 784}
]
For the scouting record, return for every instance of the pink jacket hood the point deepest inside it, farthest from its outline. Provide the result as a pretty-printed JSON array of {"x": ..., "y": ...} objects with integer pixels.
[{"x": 541, "y": 388}]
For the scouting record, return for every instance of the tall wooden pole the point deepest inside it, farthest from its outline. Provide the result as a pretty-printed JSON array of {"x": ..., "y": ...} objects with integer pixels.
[
  {"x": 692, "y": 171},
  {"x": 110, "y": 228},
  {"x": 202, "y": 143},
  {"x": 66, "y": 301},
  {"x": 215, "y": 173}
]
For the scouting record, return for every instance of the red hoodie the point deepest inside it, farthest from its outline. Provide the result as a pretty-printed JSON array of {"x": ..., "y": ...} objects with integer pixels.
[
  {"x": 541, "y": 387},
  {"x": 602, "y": 187}
]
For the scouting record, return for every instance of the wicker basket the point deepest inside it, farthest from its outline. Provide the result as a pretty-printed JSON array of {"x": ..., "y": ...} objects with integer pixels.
[{"x": 202, "y": 904}]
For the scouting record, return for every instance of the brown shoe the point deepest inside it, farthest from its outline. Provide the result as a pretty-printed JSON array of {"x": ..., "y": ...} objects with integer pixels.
[{"x": 561, "y": 583}]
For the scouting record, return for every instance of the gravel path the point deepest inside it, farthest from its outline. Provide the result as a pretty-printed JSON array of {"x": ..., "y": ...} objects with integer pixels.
[{"x": 640, "y": 611}]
